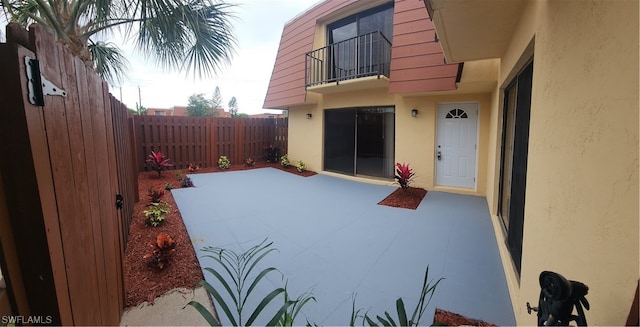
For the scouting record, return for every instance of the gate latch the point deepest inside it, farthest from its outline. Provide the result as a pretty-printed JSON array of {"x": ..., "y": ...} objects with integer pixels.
[
  {"x": 38, "y": 85},
  {"x": 119, "y": 201}
]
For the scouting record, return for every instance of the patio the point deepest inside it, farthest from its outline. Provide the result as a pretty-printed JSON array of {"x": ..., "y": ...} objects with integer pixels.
[{"x": 335, "y": 241}]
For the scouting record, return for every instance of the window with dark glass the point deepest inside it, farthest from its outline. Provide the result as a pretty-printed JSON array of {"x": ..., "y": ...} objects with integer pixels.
[
  {"x": 360, "y": 44},
  {"x": 513, "y": 164}
]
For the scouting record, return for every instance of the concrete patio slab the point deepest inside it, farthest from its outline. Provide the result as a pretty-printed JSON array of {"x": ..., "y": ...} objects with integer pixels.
[
  {"x": 169, "y": 310},
  {"x": 335, "y": 241}
]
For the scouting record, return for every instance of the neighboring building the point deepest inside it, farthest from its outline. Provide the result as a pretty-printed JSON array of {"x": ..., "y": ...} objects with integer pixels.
[
  {"x": 267, "y": 115},
  {"x": 182, "y": 111},
  {"x": 542, "y": 120}
]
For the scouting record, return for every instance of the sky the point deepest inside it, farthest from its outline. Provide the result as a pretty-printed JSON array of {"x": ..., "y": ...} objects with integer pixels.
[{"x": 258, "y": 29}]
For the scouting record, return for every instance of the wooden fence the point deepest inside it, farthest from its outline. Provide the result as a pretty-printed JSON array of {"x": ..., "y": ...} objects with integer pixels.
[
  {"x": 202, "y": 141},
  {"x": 66, "y": 167}
]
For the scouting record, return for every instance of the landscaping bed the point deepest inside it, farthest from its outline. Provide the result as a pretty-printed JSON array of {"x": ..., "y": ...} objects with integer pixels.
[{"x": 144, "y": 282}]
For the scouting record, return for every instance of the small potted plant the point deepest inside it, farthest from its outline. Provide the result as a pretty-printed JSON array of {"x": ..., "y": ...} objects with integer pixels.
[{"x": 249, "y": 162}]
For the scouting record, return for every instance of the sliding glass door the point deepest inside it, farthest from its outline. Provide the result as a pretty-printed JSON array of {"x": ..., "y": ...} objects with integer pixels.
[
  {"x": 360, "y": 141},
  {"x": 339, "y": 140}
]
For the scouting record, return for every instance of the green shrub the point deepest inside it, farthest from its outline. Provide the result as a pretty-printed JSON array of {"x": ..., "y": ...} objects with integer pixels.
[
  {"x": 156, "y": 213},
  {"x": 300, "y": 165},
  {"x": 168, "y": 187},
  {"x": 223, "y": 162},
  {"x": 284, "y": 160},
  {"x": 180, "y": 176}
]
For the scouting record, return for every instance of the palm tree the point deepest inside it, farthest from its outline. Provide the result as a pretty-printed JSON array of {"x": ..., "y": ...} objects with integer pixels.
[{"x": 186, "y": 35}]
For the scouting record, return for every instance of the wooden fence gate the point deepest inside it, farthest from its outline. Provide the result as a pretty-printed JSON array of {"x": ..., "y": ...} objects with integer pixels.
[{"x": 62, "y": 236}]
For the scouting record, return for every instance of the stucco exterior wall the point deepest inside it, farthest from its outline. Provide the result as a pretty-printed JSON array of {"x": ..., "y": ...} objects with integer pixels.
[
  {"x": 415, "y": 137},
  {"x": 581, "y": 212},
  {"x": 305, "y": 136}
]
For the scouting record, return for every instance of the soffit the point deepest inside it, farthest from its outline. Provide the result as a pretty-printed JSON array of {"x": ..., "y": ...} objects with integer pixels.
[{"x": 472, "y": 29}]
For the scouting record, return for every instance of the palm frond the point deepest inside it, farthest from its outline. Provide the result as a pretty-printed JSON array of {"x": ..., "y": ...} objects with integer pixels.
[
  {"x": 194, "y": 37},
  {"x": 109, "y": 62}
]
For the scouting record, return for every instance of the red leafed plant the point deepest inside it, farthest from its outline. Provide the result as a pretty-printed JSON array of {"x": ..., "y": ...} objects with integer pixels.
[
  {"x": 154, "y": 195},
  {"x": 158, "y": 162},
  {"x": 404, "y": 175},
  {"x": 193, "y": 168},
  {"x": 162, "y": 250}
]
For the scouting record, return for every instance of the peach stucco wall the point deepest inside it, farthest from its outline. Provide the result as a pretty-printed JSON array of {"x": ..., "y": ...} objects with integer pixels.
[
  {"x": 414, "y": 136},
  {"x": 581, "y": 212}
]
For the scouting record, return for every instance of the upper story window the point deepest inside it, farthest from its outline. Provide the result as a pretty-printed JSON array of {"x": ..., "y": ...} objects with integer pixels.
[
  {"x": 359, "y": 46},
  {"x": 159, "y": 113},
  {"x": 376, "y": 19}
]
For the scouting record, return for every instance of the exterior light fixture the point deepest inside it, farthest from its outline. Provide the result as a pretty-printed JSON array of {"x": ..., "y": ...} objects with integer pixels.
[
  {"x": 309, "y": 116},
  {"x": 414, "y": 112}
]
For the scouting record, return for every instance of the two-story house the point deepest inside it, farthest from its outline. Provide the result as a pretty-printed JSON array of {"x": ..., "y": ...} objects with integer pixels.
[{"x": 532, "y": 104}]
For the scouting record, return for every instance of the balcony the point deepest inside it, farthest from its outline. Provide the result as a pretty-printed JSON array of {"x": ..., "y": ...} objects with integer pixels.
[{"x": 367, "y": 55}]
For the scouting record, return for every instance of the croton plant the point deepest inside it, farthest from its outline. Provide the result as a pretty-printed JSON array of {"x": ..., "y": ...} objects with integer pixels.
[
  {"x": 404, "y": 175},
  {"x": 161, "y": 251}
]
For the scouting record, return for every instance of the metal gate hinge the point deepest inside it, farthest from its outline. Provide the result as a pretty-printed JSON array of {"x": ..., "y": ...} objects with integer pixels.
[{"x": 38, "y": 85}]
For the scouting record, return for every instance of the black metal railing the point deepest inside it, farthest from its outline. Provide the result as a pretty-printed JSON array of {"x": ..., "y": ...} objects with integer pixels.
[{"x": 365, "y": 55}]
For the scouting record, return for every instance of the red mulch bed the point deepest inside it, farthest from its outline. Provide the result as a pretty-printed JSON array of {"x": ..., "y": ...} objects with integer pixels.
[
  {"x": 143, "y": 282},
  {"x": 408, "y": 199},
  {"x": 446, "y": 318}
]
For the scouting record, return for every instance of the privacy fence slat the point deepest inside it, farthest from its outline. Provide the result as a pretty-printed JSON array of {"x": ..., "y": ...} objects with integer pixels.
[
  {"x": 73, "y": 156},
  {"x": 202, "y": 140}
]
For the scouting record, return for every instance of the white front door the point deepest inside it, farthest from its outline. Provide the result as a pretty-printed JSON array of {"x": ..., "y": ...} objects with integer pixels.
[{"x": 456, "y": 144}]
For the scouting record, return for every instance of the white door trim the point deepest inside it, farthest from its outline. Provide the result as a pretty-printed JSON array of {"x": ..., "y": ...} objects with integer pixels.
[{"x": 443, "y": 166}]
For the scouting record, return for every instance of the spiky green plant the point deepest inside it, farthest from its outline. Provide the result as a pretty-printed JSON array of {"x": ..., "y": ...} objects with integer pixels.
[
  {"x": 234, "y": 273},
  {"x": 294, "y": 307},
  {"x": 428, "y": 289}
]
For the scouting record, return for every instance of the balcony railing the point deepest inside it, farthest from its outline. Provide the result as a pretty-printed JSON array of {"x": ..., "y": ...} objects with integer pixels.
[{"x": 365, "y": 55}]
